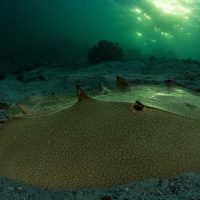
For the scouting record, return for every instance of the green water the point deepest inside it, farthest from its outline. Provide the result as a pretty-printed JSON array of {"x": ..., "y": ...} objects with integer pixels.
[{"x": 160, "y": 27}]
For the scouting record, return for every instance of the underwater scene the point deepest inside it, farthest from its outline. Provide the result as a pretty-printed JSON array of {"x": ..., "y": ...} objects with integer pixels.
[{"x": 99, "y": 99}]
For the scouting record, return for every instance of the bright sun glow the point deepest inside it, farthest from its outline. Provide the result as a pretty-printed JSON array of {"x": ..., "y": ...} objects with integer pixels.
[
  {"x": 139, "y": 34},
  {"x": 172, "y": 7},
  {"x": 137, "y": 10}
]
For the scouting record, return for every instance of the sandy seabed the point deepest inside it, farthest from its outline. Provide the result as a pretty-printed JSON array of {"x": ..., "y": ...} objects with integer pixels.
[{"x": 183, "y": 187}]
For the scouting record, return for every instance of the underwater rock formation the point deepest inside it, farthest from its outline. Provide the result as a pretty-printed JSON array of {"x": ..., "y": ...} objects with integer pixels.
[{"x": 105, "y": 51}]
